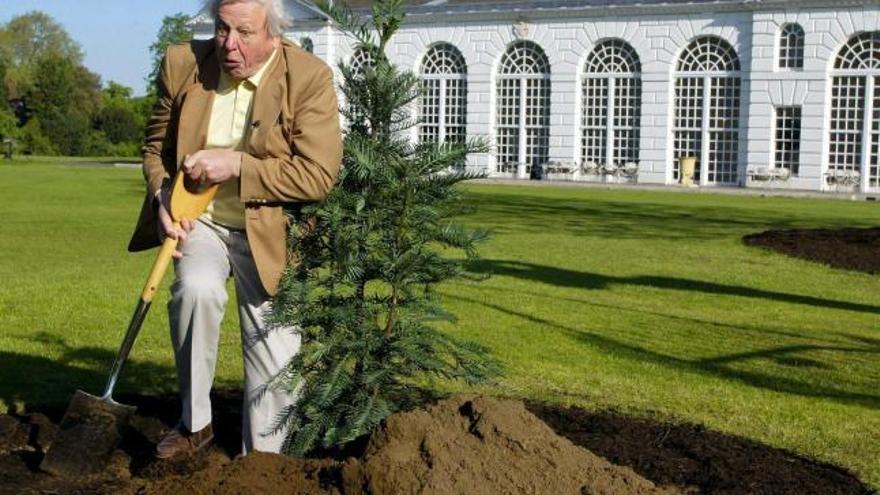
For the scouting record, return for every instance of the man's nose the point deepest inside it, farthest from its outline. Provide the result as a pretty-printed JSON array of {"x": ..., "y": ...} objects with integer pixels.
[{"x": 230, "y": 43}]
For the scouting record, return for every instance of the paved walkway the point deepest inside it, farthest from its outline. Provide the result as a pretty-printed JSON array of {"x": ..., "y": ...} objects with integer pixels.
[{"x": 741, "y": 191}]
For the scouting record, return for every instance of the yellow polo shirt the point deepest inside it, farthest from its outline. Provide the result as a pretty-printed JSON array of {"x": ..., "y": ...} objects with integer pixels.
[{"x": 228, "y": 128}]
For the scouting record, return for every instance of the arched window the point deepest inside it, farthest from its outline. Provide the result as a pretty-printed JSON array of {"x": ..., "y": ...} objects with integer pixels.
[
  {"x": 307, "y": 44},
  {"x": 855, "y": 112},
  {"x": 611, "y": 110},
  {"x": 522, "y": 123},
  {"x": 706, "y": 119},
  {"x": 443, "y": 103},
  {"x": 791, "y": 47},
  {"x": 360, "y": 60}
]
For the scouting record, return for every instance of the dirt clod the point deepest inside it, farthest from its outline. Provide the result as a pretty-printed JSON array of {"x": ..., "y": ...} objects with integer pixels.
[
  {"x": 13, "y": 435},
  {"x": 43, "y": 431}
]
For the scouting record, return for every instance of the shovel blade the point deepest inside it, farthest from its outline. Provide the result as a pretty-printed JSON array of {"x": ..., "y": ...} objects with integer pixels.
[{"x": 89, "y": 433}]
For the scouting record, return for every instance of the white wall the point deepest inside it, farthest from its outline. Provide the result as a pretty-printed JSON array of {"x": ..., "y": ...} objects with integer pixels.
[{"x": 658, "y": 40}]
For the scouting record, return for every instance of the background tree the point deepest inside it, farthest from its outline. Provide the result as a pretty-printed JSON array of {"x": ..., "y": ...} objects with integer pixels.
[
  {"x": 118, "y": 118},
  {"x": 25, "y": 40},
  {"x": 8, "y": 121},
  {"x": 63, "y": 98},
  {"x": 364, "y": 292},
  {"x": 174, "y": 30},
  {"x": 4, "y": 94}
]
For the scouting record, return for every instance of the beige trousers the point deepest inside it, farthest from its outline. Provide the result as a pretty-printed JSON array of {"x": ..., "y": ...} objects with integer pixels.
[{"x": 211, "y": 254}]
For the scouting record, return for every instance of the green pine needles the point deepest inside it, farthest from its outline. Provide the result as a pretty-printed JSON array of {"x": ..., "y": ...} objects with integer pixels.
[{"x": 363, "y": 292}]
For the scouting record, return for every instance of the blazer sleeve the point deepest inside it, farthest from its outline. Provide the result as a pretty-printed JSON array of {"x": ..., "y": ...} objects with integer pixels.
[
  {"x": 309, "y": 171},
  {"x": 157, "y": 147}
]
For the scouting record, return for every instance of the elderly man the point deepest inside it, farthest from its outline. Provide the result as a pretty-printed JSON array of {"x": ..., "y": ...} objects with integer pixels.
[{"x": 256, "y": 114}]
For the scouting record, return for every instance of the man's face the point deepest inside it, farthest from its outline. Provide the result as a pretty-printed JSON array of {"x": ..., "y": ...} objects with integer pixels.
[{"x": 242, "y": 38}]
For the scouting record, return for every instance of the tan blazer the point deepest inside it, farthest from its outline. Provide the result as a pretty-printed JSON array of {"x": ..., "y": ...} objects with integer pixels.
[{"x": 293, "y": 148}]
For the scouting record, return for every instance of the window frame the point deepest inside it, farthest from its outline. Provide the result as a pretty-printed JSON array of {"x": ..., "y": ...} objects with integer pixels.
[
  {"x": 522, "y": 88},
  {"x": 443, "y": 67},
  {"x": 790, "y": 47},
  {"x": 719, "y": 135},
  {"x": 610, "y": 75}
]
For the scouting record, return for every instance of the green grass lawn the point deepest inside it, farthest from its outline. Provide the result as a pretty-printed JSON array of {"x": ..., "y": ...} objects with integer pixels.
[{"x": 643, "y": 302}]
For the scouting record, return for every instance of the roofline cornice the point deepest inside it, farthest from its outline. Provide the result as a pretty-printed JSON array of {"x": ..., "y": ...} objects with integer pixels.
[{"x": 502, "y": 11}]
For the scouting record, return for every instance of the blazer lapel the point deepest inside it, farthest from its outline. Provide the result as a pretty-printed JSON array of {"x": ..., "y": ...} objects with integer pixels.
[
  {"x": 267, "y": 105},
  {"x": 195, "y": 112}
]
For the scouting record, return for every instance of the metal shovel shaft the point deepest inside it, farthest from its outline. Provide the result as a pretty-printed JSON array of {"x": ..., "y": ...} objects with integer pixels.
[
  {"x": 140, "y": 313},
  {"x": 134, "y": 327}
]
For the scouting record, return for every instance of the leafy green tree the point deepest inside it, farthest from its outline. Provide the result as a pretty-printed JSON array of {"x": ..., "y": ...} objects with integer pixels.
[
  {"x": 33, "y": 141},
  {"x": 26, "y": 39},
  {"x": 364, "y": 291},
  {"x": 62, "y": 98},
  {"x": 8, "y": 122},
  {"x": 118, "y": 119},
  {"x": 174, "y": 30},
  {"x": 8, "y": 125},
  {"x": 4, "y": 94}
]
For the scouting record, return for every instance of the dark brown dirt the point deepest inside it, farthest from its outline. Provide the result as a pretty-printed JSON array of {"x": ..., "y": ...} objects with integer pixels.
[
  {"x": 850, "y": 249},
  {"x": 474, "y": 445},
  {"x": 689, "y": 455}
]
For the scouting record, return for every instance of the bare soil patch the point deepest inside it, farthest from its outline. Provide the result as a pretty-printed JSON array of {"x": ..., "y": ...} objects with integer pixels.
[
  {"x": 850, "y": 249},
  {"x": 465, "y": 444}
]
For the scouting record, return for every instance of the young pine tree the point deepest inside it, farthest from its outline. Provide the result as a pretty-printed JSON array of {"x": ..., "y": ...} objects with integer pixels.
[{"x": 363, "y": 291}]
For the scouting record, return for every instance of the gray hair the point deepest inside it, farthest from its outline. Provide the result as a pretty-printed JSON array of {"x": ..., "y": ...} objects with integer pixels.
[{"x": 276, "y": 17}]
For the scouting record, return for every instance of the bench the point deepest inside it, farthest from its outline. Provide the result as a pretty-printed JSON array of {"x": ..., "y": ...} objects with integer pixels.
[
  {"x": 843, "y": 177},
  {"x": 557, "y": 167},
  {"x": 768, "y": 174},
  {"x": 590, "y": 168},
  {"x": 7, "y": 146}
]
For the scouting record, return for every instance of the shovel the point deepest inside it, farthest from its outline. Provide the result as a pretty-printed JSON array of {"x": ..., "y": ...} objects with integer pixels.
[{"x": 93, "y": 426}]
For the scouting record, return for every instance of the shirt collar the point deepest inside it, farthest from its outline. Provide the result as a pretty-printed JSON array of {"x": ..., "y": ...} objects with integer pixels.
[{"x": 258, "y": 76}]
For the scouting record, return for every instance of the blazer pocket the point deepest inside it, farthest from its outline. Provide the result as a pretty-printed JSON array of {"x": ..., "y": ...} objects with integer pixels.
[{"x": 256, "y": 140}]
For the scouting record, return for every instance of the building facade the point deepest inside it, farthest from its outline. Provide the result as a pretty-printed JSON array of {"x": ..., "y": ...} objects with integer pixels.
[{"x": 762, "y": 93}]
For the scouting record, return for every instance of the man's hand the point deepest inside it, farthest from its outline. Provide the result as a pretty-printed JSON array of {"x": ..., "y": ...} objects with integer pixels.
[
  {"x": 213, "y": 166},
  {"x": 166, "y": 224}
]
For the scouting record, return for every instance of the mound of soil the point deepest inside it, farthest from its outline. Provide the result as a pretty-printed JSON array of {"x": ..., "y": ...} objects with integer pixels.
[
  {"x": 850, "y": 249},
  {"x": 486, "y": 446},
  {"x": 465, "y": 444}
]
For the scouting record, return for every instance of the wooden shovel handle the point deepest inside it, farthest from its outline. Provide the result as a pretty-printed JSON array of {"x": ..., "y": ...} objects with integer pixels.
[
  {"x": 184, "y": 203},
  {"x": 159, "y": 267}
]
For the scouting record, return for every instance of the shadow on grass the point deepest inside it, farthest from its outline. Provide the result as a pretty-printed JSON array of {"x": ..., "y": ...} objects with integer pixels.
[
  {"x": 624, "y": 219},
  {"x": 739, "y": 327},
  {"x": 719, "y": 366},
  {"x": 47, "y": 381},
  {"x": 561, "y": 277}
]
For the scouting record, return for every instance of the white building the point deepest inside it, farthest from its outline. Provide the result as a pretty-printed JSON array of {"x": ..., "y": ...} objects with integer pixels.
[{"x": 767, "y": 93}]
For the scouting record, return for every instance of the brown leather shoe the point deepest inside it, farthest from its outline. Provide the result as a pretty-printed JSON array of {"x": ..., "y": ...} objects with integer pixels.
[{"x": 180, "y": 441}]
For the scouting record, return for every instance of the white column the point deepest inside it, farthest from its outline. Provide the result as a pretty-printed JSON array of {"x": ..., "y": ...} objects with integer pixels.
[
  {"x": 441, "y": 111},
  {"x": 704, "y": 138},
  {"x": 609, "y": 122},
  {"x": 866, "y": 132},
  {"x": 521, "y": 164}
]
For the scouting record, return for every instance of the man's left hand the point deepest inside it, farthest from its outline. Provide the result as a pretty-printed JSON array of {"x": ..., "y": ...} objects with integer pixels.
[{"x": 213, "y": 166}]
